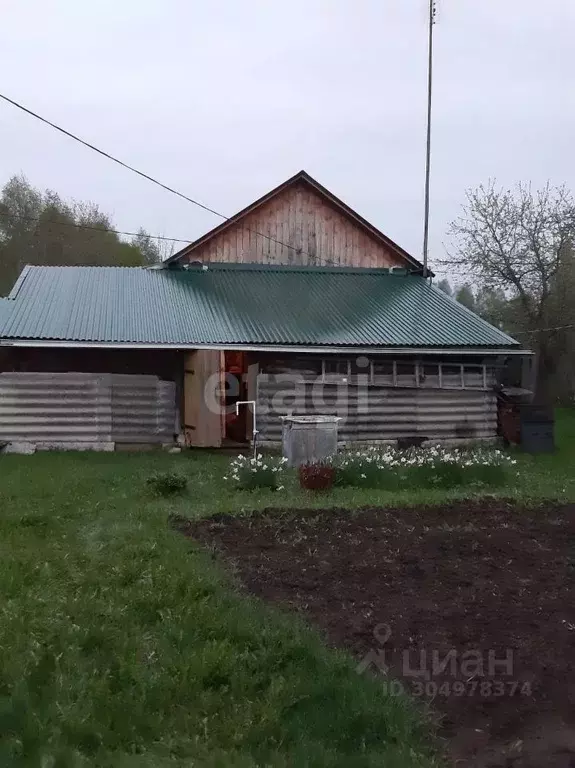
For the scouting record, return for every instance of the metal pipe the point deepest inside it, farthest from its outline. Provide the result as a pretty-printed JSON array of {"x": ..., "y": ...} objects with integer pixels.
[
  {"x": 254, "y": 420},
  {"x": 432, "y": 11}
]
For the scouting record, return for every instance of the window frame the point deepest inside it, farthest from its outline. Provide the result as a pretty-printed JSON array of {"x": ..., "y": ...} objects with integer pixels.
[
  {"x": 481, "y": 370},
  {"x": 336, "y": 378}
]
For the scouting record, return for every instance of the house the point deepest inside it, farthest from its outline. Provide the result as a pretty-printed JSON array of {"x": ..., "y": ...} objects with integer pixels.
[{"x": 296, "y": 303}]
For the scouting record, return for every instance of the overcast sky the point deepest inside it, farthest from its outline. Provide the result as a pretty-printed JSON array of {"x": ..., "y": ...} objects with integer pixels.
[{"x": 224, "y": 100}]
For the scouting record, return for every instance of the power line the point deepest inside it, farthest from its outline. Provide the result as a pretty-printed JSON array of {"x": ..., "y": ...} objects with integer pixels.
[
  {"x": 315, "y": 259},
  {"x": 110, "y": 157},
  {"x": 88, "y": 226},
  {"x": 543, "y": 330}
]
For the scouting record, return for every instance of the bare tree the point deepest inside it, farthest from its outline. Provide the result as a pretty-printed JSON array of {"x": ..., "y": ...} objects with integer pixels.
[{"x": 513, "y": 240}]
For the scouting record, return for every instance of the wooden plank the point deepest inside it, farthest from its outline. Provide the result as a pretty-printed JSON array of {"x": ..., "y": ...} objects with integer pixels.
[
  {"x": 203, "y": 412},
  {"x": 300, "y": 217},
  {"x": 300, "y": 257}
]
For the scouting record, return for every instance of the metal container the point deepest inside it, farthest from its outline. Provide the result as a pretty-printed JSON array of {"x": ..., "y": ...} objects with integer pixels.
[
  {"x": 510, "y": 400},
  {"x": 309, "y": 439},
  {"x": 537, "y": 429}
]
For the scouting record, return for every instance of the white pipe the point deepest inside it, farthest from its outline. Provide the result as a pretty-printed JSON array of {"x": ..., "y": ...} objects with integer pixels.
[{"x": 254, "y": 420}]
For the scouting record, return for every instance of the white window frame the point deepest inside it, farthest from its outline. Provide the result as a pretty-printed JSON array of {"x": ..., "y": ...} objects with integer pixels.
[
  {"x": 418, "y": 365},
  {"x": 334, "y": 380}
]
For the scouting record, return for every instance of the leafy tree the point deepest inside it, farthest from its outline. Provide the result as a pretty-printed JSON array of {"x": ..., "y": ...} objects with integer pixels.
[
  {"x": 445, "y": 286},
  {"x": 493, "y": 305},
  {"x": 464, "y": 295},
  {"x": 41, "y": 228},
  {"x": 512, "y": 241},
  {"x": 147, "y": 247}
]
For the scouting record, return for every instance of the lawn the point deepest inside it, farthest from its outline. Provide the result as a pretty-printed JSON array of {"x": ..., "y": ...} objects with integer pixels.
[{"x": 123, "y": 644}]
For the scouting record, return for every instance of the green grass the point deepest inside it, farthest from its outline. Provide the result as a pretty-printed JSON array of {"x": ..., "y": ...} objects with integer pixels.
[{"x": 124, "y": 645}]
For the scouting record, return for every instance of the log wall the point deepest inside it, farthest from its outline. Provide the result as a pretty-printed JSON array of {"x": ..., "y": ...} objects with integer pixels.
[{"x": 372, "y": 411}]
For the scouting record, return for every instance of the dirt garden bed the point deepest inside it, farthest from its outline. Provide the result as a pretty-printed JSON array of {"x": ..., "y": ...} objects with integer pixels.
[{"x": 471, "y": 607}]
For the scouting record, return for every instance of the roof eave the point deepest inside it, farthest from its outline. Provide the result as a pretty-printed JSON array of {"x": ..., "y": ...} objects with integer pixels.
[{"x": 295, "y": 348}]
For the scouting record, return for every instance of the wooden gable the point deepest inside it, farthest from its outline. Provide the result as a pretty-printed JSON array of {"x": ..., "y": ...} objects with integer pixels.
[{"x": 299, "y": 222}]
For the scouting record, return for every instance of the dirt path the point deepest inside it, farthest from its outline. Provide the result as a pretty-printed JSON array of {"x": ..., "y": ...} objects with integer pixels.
[{"x": 470, "y": 606}]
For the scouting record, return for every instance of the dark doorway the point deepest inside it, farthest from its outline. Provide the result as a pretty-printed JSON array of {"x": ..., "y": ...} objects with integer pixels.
[{"x": 236, "y": 390}]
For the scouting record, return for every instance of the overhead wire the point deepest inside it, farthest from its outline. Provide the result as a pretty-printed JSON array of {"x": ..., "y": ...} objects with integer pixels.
[
  {"x": 314, "y": 259},
  {"x": 41, "y": 220}
]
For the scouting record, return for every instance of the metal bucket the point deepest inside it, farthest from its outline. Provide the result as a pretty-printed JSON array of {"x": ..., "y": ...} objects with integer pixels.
[{"x": 309, "y": 439}]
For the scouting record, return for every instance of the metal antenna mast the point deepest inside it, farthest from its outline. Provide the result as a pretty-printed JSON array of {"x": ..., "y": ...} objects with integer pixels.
[{"x": 432, "y": 15}]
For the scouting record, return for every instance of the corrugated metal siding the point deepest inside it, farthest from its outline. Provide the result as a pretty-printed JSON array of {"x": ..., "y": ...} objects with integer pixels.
[
  {"x": 65, "y": 408},
  {"x": 380, "y": 413},
  {"x": 254, "y": 305}
]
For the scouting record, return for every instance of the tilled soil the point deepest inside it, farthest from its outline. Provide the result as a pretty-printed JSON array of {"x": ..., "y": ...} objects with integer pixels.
[{"x": 471, "y": 608}]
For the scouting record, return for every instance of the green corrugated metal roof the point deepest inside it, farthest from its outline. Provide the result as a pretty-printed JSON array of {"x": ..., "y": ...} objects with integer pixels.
[
  {"x": 5, "y": 309},
  {"x": 240, "y": 304}
]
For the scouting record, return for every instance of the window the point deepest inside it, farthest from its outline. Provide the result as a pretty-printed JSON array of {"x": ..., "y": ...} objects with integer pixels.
[
  {"x": 473, "y": 376},
  {"x": 383, "y": 372},
  {"x": 406, "y": 374},
  {"x": 451, "y": 376},
  {"x": 310, "y": 368},
  {"x": 335, "y": 369},
  {"x": 429, "y": 375},
  {"x": 490, "y": 376},
  {"x": 360, "y": 366}
]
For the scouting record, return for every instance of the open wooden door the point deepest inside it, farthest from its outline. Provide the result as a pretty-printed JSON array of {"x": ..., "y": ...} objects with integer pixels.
[{"x": 203, "y": 407}]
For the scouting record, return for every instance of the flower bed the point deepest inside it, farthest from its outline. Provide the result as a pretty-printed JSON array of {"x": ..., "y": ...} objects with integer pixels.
[
  {"x": 433, "y": 467},
  {"x": 384, "y": 468},
  {"x": 258, "y": 472}
]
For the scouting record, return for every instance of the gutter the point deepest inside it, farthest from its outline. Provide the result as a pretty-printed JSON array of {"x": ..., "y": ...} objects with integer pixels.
[{"x": 292, "y": 348}]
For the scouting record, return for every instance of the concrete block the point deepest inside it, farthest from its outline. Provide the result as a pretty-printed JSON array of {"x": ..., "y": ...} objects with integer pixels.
[{"x": 25, "y": 449}]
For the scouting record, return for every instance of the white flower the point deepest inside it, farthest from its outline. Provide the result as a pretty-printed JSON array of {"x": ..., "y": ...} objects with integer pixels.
[{"x": 363, "y": 476}]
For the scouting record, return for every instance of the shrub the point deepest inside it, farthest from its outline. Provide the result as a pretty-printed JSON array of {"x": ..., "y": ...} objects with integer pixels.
[
  {"x": 490, "y": 468},
  {"x": 369, "y": 469},
  {"x": 438, "y": 467},
  {"x": 250, "y": 473},
  {"x": 442, "y": 474},
  {"x": 167, "y": 483}
]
